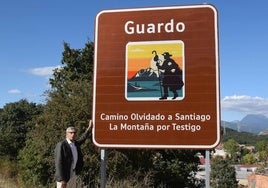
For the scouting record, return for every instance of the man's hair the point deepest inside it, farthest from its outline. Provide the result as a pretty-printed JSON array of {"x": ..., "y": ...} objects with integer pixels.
[{"x": 70, "y": 129}]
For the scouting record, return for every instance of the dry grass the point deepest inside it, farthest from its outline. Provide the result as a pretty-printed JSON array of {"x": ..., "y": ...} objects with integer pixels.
[
  {"x": 7, "y": 182},
  {"x": 8, "y": 174}
]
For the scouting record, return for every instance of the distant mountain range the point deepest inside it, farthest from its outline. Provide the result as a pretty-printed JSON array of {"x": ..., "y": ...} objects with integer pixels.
[
  {"x": 145, "y": 75},
  {"x": 252, "y": 123}
]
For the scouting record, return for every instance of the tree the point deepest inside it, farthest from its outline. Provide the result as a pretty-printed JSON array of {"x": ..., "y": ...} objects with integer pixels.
[
  {"x": 249, "y": 159},
  {"x": 16, "y": 120},
  {"x": 262, "y": 149},
  {"x": 233, "y": 148},
  {"x": 68, "y": 103},
  {"x": 222, "y": 174},
  {"x": 77, "y": 66},
  {"x": 263, "y": 157},
  {"x": 153, "y": 168},
  {"x": 261, "y": 146},
  {"x": 175, "y": 168}
]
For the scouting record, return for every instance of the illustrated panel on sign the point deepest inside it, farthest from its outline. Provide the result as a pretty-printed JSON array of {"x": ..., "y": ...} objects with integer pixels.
[{"x": 155, "y": 70}]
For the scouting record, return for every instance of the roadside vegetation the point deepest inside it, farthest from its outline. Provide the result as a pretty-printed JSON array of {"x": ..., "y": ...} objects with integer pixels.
[{"x": 30, "y": 131}]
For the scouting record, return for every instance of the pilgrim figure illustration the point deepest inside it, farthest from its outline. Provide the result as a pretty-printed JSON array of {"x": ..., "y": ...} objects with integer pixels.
[{"x": 170, "y": 77}]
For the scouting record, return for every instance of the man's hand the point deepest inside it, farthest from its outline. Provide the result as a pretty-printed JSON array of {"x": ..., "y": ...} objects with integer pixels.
[
  {"x": 90, "y": 124},
  {"x": 63, "y": 184}
]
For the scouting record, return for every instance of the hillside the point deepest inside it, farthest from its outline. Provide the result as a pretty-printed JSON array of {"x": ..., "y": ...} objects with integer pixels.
[{"x": 243, "y": 137}]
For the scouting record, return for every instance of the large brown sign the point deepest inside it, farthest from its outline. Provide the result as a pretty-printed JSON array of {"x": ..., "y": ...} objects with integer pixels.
[{"x": 156, "y": 78}]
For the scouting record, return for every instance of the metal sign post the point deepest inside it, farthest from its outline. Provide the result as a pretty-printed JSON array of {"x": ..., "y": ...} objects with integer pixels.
[
  {"x": 103, "y": 168},
  {"x": 207, "y": 169}
]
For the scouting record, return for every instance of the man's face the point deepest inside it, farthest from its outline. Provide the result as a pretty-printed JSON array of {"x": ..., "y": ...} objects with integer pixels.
[{"x": 71, "y": 134}]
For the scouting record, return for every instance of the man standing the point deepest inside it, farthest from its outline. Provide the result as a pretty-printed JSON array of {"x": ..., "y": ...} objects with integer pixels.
[{"x": 69, "y": 157}]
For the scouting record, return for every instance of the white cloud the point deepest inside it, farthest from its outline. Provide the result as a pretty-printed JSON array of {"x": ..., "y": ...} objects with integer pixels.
[
  {"x": 14, "y": 91},
  {"x": 43, "y": 71},
  {"x": 245, "y": 104}
]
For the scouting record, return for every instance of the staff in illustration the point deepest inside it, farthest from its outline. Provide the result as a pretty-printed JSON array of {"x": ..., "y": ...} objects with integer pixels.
[
  {"x": 156, "y": 59},
  {"x": 172, "y": 76}
]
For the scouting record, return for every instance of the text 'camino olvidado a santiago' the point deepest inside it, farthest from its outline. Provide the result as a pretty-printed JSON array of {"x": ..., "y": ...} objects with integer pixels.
[{"x": 178, "y": 122}]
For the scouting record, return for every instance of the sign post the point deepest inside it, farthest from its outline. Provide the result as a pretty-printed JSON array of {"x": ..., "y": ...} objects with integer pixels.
[{"x": 156, "y": 78}]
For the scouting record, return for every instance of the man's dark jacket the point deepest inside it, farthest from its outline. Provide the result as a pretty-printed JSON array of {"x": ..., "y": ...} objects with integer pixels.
[{"x": 64, "y": 158}]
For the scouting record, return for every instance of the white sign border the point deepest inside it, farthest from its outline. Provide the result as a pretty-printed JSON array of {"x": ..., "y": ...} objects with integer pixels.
[{"x": 217, "y": 80}]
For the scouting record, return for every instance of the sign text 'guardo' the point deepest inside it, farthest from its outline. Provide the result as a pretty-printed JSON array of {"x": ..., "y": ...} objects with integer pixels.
[{"x": 170, "y": 27}]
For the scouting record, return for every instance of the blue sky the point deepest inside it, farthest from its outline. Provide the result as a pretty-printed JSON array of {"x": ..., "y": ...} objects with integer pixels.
[{"x": 32, "y": 34}]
